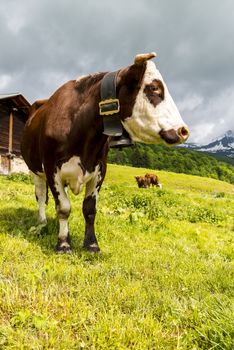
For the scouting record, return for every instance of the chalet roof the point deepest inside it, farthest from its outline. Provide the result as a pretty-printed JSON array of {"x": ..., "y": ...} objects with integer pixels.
[{"x": 16, "y": 101}]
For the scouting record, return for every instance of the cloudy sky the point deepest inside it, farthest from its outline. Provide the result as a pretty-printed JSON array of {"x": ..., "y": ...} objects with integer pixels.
[{"x": 45, "y": 43}]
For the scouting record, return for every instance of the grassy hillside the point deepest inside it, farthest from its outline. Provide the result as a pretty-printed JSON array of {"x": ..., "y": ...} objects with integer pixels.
[
  {"x": 176, "y": 159},
  {"x": 164, "y": 278}
]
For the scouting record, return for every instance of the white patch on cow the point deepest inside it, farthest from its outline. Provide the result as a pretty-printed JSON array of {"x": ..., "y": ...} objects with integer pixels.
[
  {"x": 40, "y": 189},
  {"x": 146, "y": 120},
  {"x": 93, "y": 245},
  {"x": 86, "y": 76},
  {"x": 81, "y": 77},
  {"x": 64, "y": 245},
  {"x": 71, "y": 174},
  {"x": 92, "y": 185}
]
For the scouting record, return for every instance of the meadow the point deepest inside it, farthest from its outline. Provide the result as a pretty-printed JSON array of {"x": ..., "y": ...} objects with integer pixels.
[{"x": 164, "y": 278}]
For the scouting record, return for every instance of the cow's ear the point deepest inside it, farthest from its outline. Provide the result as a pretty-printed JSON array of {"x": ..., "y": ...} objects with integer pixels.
[{"x": 142, "y": 57}]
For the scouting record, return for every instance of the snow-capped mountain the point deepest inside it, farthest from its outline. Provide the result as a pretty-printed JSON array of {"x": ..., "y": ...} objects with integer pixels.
[{"x": 223, "y": 145}]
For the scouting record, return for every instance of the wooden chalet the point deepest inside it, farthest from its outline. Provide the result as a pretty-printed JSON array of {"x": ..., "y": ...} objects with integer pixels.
[{"x": 14, "y": 110}]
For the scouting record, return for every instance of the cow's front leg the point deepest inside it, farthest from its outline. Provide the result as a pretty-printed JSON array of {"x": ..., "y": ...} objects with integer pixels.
[
  {"x": 89, "y": 210},
  {"x": 63, "y": 209}
]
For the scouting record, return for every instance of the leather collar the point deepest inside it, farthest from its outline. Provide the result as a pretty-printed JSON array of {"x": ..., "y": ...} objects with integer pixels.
[
  {"x": 109, "y": 109},
  {"x": 109, "y": 106}
]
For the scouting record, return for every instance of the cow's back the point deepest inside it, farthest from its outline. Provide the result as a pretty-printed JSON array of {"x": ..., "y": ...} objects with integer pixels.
[{"x": 60, "y": 127}]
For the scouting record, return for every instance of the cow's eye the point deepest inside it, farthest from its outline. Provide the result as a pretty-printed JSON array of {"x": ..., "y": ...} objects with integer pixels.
[{"x": 156, "y": 90}]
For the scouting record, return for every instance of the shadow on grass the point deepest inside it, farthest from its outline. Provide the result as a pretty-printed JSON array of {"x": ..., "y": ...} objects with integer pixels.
[{"x": 23, "y": 222}]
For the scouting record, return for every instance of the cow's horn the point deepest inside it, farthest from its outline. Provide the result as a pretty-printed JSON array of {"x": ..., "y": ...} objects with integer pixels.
[{"x": 144, "y": 57}]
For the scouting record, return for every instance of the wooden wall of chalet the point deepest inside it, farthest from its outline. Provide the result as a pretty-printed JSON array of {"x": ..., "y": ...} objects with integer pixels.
[
  {"x": 8, "y": 140},
  {"x": 11, "y": 127},
  {"x": 18, "y": 126},
  {"x": 14, "y": 109},
  {"x": 4, "y": 132}
]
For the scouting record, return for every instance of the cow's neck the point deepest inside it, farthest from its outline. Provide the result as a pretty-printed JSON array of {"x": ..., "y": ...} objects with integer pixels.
[{"x": 91, "y": 145}]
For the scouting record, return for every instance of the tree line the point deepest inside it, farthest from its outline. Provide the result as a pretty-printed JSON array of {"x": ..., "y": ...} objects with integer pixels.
[{"x": 175, "y": 159}]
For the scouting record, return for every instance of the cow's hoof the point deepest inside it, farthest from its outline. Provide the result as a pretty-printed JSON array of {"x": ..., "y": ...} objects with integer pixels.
[
  {"x": 63, "y": 248},
  {"x": 93, "y": 248}
]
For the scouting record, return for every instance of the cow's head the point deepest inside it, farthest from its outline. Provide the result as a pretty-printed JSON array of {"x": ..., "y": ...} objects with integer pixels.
[{"x": 148, "y": 111}]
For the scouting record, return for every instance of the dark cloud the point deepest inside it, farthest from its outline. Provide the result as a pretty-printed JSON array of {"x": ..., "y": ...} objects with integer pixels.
[{"x": 45, "y": 43}]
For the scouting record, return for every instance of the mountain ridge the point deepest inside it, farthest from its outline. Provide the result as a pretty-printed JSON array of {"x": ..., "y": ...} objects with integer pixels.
[{"x": 222, "y": 145}]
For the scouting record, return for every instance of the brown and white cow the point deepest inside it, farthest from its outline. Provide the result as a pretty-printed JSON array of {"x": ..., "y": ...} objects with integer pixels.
[
  {"x": 142, "y": 181},
  {"x": 64, "y": 145},
  {"x": 153, "y": 180}
]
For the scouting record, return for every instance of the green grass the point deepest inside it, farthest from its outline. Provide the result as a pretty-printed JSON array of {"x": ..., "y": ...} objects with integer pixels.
[{"x": 164, "y": 278}]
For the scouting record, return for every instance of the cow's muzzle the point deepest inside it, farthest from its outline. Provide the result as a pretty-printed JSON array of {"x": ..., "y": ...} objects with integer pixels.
[{"x": 174, "y": 136}]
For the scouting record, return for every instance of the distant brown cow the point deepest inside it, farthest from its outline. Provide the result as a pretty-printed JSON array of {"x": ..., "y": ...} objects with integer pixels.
[
  {"x": 153, "y": 180},
  {"x": 142, "y": 181}
]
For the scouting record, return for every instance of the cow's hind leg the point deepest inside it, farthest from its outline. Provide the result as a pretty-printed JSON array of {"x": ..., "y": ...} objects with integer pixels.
[
  {"x": 63, "y": 208},
  {"x": 41, "y": 192}
]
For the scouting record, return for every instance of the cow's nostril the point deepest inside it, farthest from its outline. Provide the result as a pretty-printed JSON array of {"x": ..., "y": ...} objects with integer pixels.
[{"x": 183, "y": 132}]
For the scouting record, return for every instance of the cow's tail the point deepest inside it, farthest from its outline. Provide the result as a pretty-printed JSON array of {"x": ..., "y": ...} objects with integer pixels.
[{"x": 47, "y": 193}]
